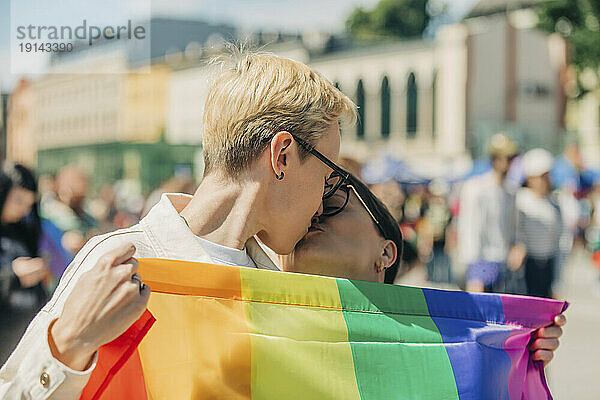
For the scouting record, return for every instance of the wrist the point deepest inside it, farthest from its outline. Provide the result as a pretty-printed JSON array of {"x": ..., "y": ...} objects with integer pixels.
[{"x": 67, "y": 348}]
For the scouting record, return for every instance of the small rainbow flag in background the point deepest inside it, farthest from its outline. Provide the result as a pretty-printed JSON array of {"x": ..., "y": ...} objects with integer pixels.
[{"x": 242, "y": 333}]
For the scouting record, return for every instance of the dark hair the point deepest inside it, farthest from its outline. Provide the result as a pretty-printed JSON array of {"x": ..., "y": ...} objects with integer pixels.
[
  {"x": 28, "y": 230},
  {"x": 388, "y": 226}
]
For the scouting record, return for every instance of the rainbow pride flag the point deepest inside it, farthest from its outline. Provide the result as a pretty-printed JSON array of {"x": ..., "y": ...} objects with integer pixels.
[{"x": 241, "y": 333}]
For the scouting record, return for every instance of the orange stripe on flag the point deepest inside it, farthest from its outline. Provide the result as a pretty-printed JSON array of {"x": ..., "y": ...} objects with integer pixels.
[
  {"x": 190, "y": 278},
  {"x": 201, "y": 334}
]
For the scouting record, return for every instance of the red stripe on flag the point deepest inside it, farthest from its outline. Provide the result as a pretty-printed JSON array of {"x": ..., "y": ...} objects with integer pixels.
[{"x": 118, "y": 374}]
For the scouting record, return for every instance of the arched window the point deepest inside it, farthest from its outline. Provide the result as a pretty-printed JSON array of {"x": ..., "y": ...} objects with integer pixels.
[
  {"x": 360, "y": 103},
  {"x": 411, "y": 106},
  {"x": 434, "y": 103},
  {"x": 385, "y": 107}
]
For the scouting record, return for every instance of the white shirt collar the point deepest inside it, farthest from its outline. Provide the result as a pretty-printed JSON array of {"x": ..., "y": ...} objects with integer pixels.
[
  {"x": 226, "y": 255},
  {"x": 172, "y": 238}
]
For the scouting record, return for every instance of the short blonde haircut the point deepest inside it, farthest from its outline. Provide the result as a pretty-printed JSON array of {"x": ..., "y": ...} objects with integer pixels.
[{"x": 254, "y": 96}]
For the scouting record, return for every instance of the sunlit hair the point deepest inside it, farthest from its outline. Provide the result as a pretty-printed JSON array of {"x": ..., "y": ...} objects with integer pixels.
[{"x": 255, "y": 95}]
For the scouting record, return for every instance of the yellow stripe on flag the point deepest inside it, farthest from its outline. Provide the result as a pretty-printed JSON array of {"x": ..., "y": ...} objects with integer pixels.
[{"x": 200, "y": 336}]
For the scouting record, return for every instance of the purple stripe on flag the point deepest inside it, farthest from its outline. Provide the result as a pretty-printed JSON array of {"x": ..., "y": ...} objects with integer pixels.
[{"x": 527, "y": 379}]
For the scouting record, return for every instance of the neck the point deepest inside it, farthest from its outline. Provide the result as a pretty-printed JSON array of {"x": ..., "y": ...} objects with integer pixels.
[
  {"x": 500, "y": 176},
  {"x": 224, "y": 212}
]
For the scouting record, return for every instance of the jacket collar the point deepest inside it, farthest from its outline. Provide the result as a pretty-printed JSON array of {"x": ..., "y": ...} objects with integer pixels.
[{"x": 171, "y": 237}]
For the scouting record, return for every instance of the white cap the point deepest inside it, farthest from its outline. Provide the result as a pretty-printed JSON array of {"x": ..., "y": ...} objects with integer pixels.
[{"x": 537, "y": 162}]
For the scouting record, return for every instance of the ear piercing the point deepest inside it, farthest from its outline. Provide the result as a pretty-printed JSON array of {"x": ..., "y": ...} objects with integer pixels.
[{"x": 279, "y": 177}]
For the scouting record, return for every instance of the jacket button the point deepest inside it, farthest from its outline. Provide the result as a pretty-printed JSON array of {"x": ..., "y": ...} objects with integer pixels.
[{"x": 45, "y": 379}]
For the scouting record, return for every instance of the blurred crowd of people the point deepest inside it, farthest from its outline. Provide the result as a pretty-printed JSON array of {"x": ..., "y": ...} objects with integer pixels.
[
  {"x": 44, "y": 222},
  {"x": 508, "y": 229}
]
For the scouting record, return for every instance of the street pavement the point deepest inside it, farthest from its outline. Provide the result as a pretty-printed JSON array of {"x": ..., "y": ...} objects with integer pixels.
[{"x": 574, "y": 374}]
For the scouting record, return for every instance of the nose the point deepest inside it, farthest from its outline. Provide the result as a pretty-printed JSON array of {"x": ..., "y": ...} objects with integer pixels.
[{"x": 315, "y": 220}]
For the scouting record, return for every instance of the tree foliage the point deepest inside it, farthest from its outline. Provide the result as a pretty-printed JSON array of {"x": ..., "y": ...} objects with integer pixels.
[
  {"x": 390, "y": 18},
  {"x": 579, "y": 22}
]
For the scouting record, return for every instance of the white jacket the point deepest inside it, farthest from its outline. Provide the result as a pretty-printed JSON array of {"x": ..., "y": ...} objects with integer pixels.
[
  {"x": 161, "y": 234},
  {"x": 486, "y": 220}
]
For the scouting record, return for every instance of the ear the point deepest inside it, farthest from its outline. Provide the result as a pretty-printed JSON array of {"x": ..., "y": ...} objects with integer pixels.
[
  {"x": 388, "y": 256},
  {"x": 280, "y": 150}
]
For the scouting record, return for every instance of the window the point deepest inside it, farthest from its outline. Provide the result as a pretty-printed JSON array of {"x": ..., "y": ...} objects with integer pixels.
[
  {"x": 434, "y": 103},
  {"x": 360, "y": 102},
  {"x": 411, "y": 106},
  {"x": 385, "y": 107}
]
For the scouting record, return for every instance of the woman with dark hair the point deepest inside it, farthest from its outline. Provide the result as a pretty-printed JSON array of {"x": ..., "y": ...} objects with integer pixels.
[
  {"x": 356, "y": 237},
  {"x": 22, "y": 270}
]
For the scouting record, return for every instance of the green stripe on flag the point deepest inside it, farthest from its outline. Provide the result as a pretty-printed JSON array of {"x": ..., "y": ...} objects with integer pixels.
[{"x": 396, "y": 346}]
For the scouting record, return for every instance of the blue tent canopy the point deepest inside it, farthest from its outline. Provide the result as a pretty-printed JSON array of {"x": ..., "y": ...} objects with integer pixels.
[{"x": 387, "y": 168}]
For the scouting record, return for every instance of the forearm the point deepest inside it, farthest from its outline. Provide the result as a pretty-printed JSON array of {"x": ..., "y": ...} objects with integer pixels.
[{"x": 65, "y": 348}]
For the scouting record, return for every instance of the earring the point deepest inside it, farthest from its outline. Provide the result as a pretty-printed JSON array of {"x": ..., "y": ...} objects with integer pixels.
[{"x": 279, "y": 177}]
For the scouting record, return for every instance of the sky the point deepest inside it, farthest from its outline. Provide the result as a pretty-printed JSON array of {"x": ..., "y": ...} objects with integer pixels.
[{"x": 268, "y": 15}]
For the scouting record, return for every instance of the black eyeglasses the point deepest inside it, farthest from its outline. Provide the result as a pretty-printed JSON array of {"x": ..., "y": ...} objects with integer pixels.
[
  {"x": 336, "y": 184},
  {"x": 337, "y": 202},
  {"x": 337, "y": 177}
]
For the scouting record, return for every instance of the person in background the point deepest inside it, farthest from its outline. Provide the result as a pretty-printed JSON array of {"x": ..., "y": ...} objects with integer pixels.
[
  {"x": 539, "y": 225},
  {"x": 566, "y": 179},
  {"x": 571, "y": 212},
  {"x": 22, "y": 270},
  {"x": 436, "y": 220},
  {"x": 593, "y": 231},
  {"x": 486, "y": 220},
  {"x": 66, "y": 209},
  {"x": 104, "y": 207},
  {"x": 175, "y": 184}
]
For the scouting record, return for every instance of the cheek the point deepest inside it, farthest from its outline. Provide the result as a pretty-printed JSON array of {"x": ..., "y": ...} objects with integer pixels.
[
  {"x": 11, "y": 207},
  {"x": 310, "y": 195},
  {"x": 347, "y": 238},
  {"x": 359, "y": 239}
]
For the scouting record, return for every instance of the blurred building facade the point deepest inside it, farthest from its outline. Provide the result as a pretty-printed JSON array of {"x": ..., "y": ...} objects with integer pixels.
[
  {"x": 113, "y": 123},
  {"x": 433, "y": 103},
  {"x": 189, "y": 82},
  {"x": 411, "y": 97},
  {"x": 584, "y": 118},
  {"x": 21, "y": 138},
  {"x": 515, "y": 81},
  {"x": 437, "y": 103}
]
